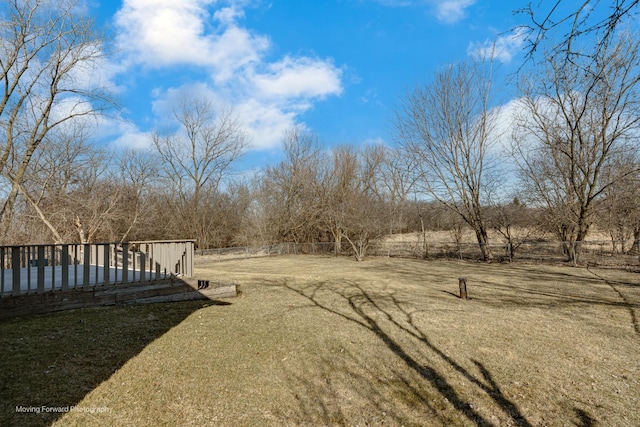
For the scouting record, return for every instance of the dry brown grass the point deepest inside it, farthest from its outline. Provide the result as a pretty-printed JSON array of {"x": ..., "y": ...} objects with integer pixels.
[{"x": 328, "y": 341}]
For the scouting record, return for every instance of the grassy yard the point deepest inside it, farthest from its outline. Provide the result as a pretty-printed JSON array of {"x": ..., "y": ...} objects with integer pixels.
[{"x": 328, "y": 341}]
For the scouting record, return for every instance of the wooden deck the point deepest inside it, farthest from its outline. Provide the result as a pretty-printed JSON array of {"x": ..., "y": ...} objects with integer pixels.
[
  {"x": 43, "y": 278},
  {"x": 48, "y": 268}
]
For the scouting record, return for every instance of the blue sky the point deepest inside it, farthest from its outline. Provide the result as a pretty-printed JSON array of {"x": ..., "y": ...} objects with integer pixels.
[{"x": 336, "y": 67}]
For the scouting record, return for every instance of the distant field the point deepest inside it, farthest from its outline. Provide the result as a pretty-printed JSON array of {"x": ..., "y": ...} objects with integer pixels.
[
  {"x": 468, "y": 236},
  {"x": 317, "y": 340}
]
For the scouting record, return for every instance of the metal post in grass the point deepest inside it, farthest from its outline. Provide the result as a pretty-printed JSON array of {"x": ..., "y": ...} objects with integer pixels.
[{"x": 462, "y": 284}]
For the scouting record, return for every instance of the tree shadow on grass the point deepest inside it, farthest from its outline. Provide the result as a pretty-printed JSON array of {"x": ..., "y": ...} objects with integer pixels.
[
  {"x": 580, "y": 295},
  {"x": 530, "y": 286},
  {"x": 585, "y": 420},
  {"x": 53, "y": 360},
  {"x": 335, "y": 393},
  {"x": 615, "y": 285},
  {"x": 384, "y": 316}
]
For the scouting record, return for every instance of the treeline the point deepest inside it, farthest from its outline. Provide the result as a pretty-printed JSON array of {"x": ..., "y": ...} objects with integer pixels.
[{"x": 347, "y": 195}]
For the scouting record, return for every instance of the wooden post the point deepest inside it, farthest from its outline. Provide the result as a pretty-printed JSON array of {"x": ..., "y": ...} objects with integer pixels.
[
  {"x": 125, "y": 263},
  {"x": 64, "y": 263},
  {"x": 40, "y": 265},
  {"x": 106, "y": 261},
  {"x": 15, "y": 270},
  {"x": 86, "y": 268},
  {"x": 462, "y": 284},
  {"x": 143, "y": 266}
]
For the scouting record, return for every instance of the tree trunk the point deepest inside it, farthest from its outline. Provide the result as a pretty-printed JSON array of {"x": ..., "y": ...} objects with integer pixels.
[
  {"x": 425, "y": 244},
  {"x": 565, "y": 234},
  {"x": 6, "y": 214},
  {"x": 359, "y": 246},
  {"x": 81, "y": 233},
  {"x": 43, "y": 218},
  {"x": 483, "y": 242},
  {"x": 575, "y": 245},
  {"x": 337, "y": 237}
]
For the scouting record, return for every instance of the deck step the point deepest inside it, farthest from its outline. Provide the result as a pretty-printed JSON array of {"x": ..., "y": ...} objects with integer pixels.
[
  {"x": 165, "y": 291},
  {"x": 209, "y": 293}
]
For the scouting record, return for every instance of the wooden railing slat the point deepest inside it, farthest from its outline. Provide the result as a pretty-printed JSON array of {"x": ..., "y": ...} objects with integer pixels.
[{"x": 71, "y": 266}]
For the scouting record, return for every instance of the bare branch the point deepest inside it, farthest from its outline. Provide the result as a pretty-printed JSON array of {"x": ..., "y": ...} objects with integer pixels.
[
  {"x": 446, "y": 129},
  {"x": 577, "y": 123},
  {"x": 45, "y": 48}
]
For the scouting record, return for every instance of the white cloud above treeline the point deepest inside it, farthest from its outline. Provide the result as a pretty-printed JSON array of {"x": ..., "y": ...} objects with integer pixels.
[
  {"x": 503, "y": 48},
  {"x": 451, "y": 11},
  {"x": 267, "y": 94},
  {"x": 448, "y": 11}
]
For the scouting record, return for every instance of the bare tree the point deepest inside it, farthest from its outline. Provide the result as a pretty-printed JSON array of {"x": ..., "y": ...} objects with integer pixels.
[
  {"x": 515, "y": 223},
  {"x": 393, "y": 184},
  {"x": 289, "y": 191},
  {"x": 316, "y": 196},
  {"x": 573, "y": 24},
  {"x": 577, "y": 122},
  {"x": 447, "y": 129},
  {"x": 338, "y": 186},
  {"x": 46, "y": 49},
  {"x": 250, "y": 219},
  {"x": 195, "y": 159},
  {"x": 619, "y": 214},
  {"x": 52, "y": 172},
  {"x": 139, "y": 174},
  {"x": 64, "y": 180},
  {"x": 354, "y": 210}
]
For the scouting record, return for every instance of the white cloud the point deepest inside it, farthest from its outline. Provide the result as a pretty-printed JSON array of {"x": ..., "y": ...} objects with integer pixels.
[
  {"x": 134, "y": 139},
  {"x": 265, "y": 123},
  {"x": 267, "y": 95},
  {"x": 299, "y": 77},
  {"x": 166, "y": 100},
  {"x": 503, "y": 48},
  {"x": 448, "y": 11},
  {"x": 158, "y": 33},
  {"x": 228, "y": 15},
  {"x": 98, "y": 74},
  {"x": 121, "y": 133},
  {"x": 451, "y": 11}
]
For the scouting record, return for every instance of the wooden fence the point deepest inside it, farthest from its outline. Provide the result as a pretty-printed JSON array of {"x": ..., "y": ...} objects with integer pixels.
[{"x": 31, "y": 269}]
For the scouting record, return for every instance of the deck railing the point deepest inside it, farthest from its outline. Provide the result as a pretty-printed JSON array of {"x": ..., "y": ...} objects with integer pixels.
[{"x": 46, "y": 268}]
